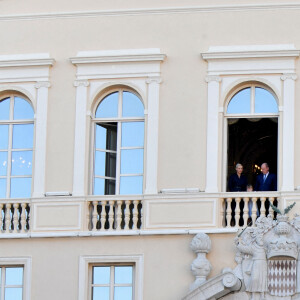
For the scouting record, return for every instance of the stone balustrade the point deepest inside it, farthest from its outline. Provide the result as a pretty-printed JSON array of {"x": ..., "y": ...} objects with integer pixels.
[
  {"x": 239, "y": 211},
  {"x": 108, "y": 215},
  {"x": 14, "y": 216}
]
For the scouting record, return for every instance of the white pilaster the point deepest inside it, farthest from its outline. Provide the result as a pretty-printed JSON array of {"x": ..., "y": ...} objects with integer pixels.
[
  {"x": 152, "y": 135},
  {"x": 288, "y": 132},
  {"x": 212, "y": 169},
  {"x": 80, "y": 138},
  {"x": 41, "y": 134}
]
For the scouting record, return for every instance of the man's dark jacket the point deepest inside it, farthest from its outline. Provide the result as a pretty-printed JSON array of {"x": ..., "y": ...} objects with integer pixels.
[{"x": 270, "y": 183}]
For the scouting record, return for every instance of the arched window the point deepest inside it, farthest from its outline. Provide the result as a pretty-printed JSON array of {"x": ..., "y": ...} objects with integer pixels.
[
  {"x": 119, "y": 144},
  {"x": 253, "y": 100},
  {"x": 252, "y": 128},
  {"x": 16, "y": 147}
]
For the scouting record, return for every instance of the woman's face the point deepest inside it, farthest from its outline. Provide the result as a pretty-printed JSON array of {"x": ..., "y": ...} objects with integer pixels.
[{"x": 239, "y": 170}]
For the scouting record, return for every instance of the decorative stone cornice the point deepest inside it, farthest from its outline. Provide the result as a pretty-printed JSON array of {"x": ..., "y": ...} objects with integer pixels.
[
  {"x": 252, "y": 51},
  {"x": 40, "y": 84},
  {"x": 84, "y": 83},
  {"x": 26, "y": 60},
  {"x": 211, "y": 78},
  {"x": 156, "y": 79},
  {"x": 152, "y": 11},
  {"x": 117, "y": 56},
  {"x": 292, "y": 76}
]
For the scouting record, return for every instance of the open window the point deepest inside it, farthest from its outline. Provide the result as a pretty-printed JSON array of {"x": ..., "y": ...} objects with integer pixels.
[
  {"x": 119, "y": 144},
  {"x": 252, "y": 130}
]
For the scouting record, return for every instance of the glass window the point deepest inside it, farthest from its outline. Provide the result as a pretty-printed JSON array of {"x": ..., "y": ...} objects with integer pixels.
[
  {"x": 11, "y": 283},
  {"x": 16, "y": 148},
  {"x": 240, "y": 102},
  {"x": 253, "y": 100},
  {"x": 265, "y": 101},
  {"x": 112, "y": 282},
  {"x": 119, "y": 144}
]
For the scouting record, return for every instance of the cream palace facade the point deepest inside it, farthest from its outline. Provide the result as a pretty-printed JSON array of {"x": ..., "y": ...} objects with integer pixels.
[{"x": 120, "y": 122}]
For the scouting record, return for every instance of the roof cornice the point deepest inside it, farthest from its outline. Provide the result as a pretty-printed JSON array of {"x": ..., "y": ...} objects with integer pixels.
[{"x": 250, "y": 54}]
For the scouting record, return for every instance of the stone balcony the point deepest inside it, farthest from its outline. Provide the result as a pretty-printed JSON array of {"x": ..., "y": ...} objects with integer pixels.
[{"x": 166, "y": 213}]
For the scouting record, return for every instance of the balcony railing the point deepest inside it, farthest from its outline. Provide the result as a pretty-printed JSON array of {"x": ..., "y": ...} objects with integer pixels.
[
  {"x": 241, "y": 211},
  {"x": 14, "y": 216},
  {"x": 114, "y": 215},
  {"x": 138, "y": 214}
]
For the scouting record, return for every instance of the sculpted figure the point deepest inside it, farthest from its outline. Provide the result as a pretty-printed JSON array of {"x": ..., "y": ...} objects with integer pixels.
[{"x": 257, "y": 269}]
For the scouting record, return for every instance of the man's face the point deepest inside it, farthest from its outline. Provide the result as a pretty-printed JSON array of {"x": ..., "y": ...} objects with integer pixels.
[
  {"x": 264, "y": 169},
  {"x": 239, "y": 170}
]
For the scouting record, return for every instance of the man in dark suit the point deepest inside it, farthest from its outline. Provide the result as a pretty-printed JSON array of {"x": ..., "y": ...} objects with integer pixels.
[{"x": 265, "y": 181}]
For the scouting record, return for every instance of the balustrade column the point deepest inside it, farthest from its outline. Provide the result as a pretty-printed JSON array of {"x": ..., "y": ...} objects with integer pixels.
[
  {"x": 228, "y": 211},
  {"x": 15, "y": 217},
  {"x": 103, "y": 215},
  {"x": 23, "y": 217},
  {"x": 127, "y": 214},
  {"x": 135, "y": 214},
  {"x": 119, "y": 215},
  {"x": 262, "y": 206},
  {"x": 254, "y": 210},
  {"x": 111, "y": 214},
  {"x": 246, "y": 211},
  {"x": 7, "y": 217},
  {"x": 237, "y": 211},
  {"x": 271, "y": 211},
  {"x": 222, "y": 213},
  {"x": 95, "y": 216}
]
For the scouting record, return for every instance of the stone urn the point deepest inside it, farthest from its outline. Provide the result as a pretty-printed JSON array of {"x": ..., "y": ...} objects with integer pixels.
[{"x": 200, "y": 267}]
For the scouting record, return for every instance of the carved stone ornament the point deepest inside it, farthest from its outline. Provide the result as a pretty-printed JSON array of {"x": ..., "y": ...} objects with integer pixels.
[
  {"x": 268, "y": 258},
  {"x": 268, "y": 264},
  {"x": 200, "y": 267}
]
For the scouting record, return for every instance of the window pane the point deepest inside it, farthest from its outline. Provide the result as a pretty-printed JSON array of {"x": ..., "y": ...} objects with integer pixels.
[
  {"x": 14, "y": 276},
  {"x": 105, "y": 164},
  {"x": 104, "y": 186},
  {"x": 101, "y": 275},
  {"x": 99, "y": 186},
  {"x": 130, "y": 185},
  {"x": 13, "y": 293},
  {"x": 23, "y": 136},
  {"x": 123, "y": 275},
  {"x": 106, "y": 136},
  {"x": 123, "y": 293},
  {"x": 21, "y": 163},
  {"x": 3, "y": 163},
  {"x": 22, "y": 109},
  {"x": 265, "y": 101},
  {"x": 240, "y": 102},
  {"x": 133, "y": 134},
  {"x": 2, "y": 188},
  {"x": 132, "y": 105},
  {"x": 3, "y": 136},
  {"x": 100, "y": 293},
  {"x": 20, "y": 187},
  {"x": 108, "y": 107},
  {"x": 100, "y": 163},
  {"x": 4, "y": 109},
  {"x": 132, "y": 161}
]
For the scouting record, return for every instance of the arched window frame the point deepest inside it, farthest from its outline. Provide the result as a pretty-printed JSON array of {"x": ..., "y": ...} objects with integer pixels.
[
  {"x": 252, "y": 114},
  {"x": 11, "y": 122},
  {"x": 119, "y": 120},
  {"x": 252, "y": 86},
  {"x": 229, "y": 66}
]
